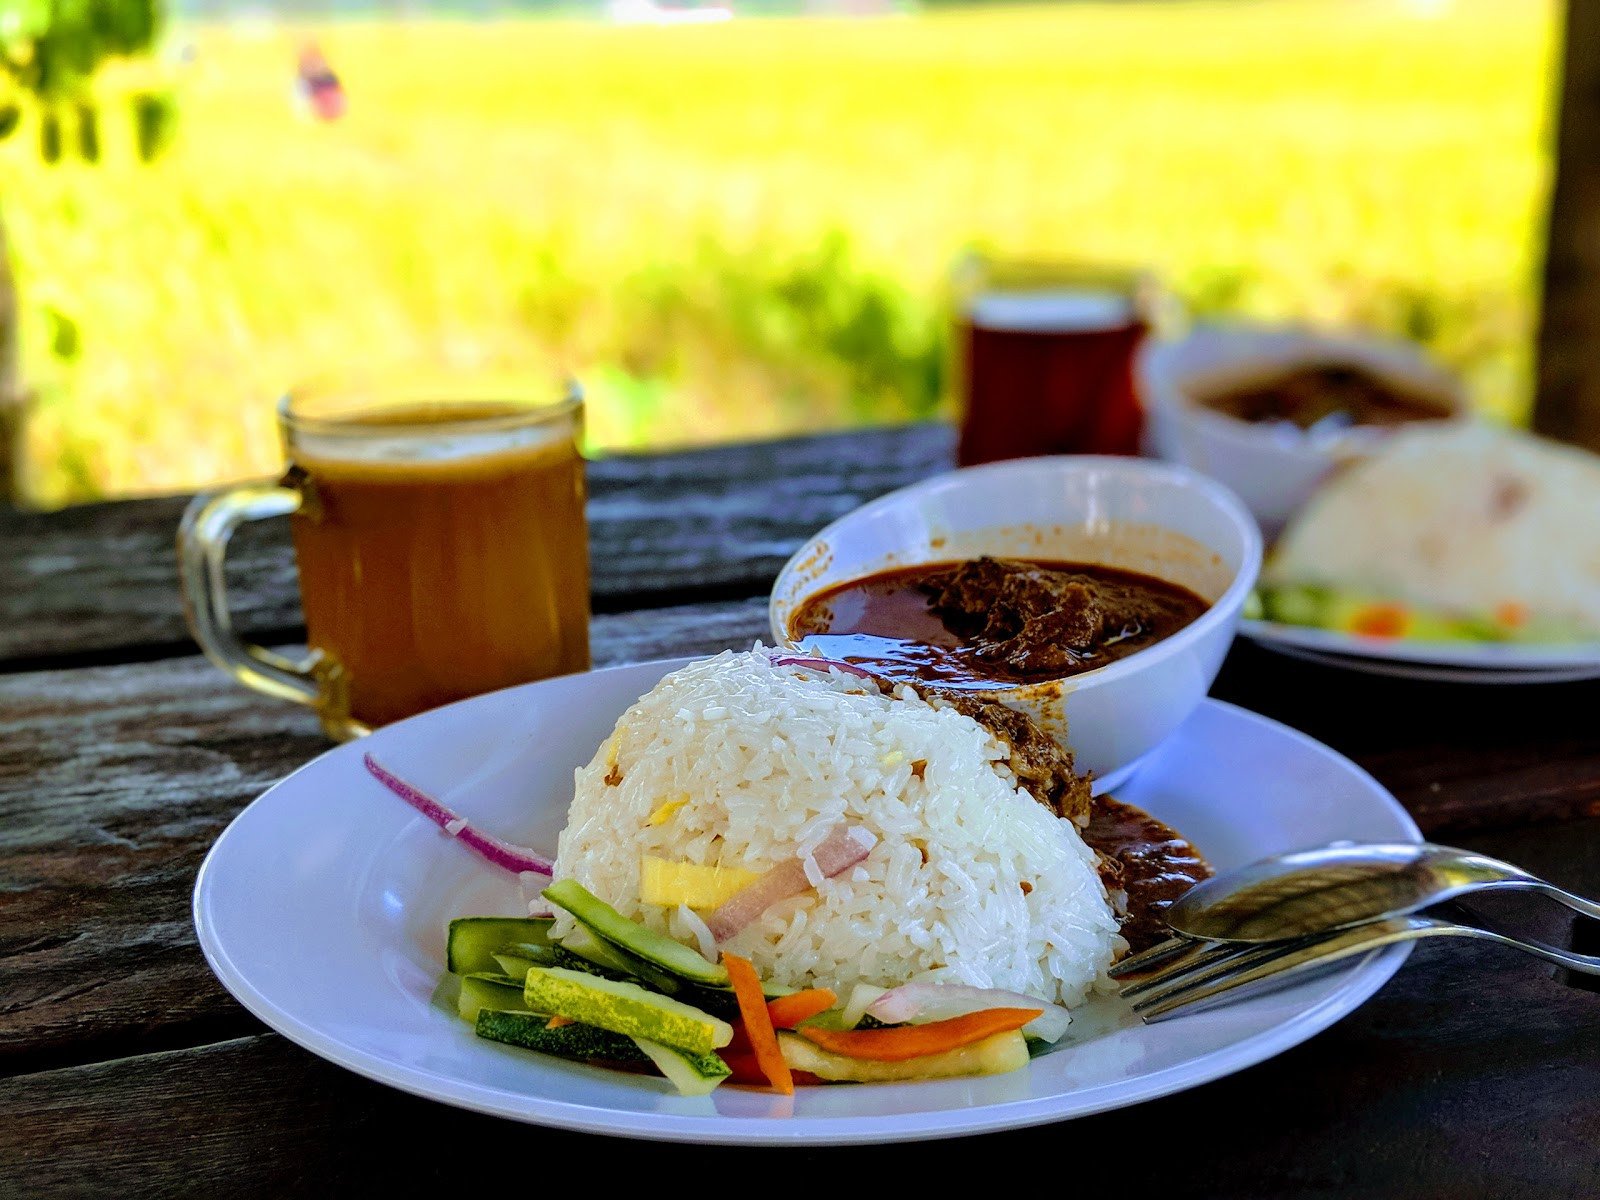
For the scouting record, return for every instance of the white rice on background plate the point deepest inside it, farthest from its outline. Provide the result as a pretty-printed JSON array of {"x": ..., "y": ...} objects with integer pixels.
[{"x": 768, "y": 760}]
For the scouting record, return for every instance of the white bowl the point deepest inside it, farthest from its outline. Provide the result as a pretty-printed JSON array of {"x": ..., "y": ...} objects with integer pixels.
[
  {"x": 1273, "y": 468},
  {"x": 1132, "y": 513}
]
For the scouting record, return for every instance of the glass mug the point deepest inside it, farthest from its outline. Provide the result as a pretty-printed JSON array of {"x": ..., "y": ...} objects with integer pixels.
[
  {"x": 1044, "y": 358},
  {"x": 441, "y": 545}
]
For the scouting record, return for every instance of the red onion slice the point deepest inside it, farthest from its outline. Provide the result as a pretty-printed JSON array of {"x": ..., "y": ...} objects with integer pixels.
[
  {"x": 923, "y": 1002},
  {"x": 842, "y": 849},
  {"x": 516, "y": 859},
  {"x": 820, "y": 664}
]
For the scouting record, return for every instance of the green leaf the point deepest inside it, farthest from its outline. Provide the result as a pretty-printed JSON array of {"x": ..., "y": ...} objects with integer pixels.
[
  {"x": 154, "y": 122},
  {"x": 10, "y": 117},
  {"x": 50, "y": 137},
  {"x": 88, "y": 133},
  {"x": 65, "y": 342}
]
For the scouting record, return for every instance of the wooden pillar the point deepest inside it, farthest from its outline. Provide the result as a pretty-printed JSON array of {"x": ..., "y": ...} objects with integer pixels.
[
  {"x": 1567, "y": 402},
  {"x": 11, "y": 395}
]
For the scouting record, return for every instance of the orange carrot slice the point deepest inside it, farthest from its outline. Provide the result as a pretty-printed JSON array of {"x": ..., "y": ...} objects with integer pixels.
[
  {"x": 1512, "y": 614},
  {"x": 1380, "y": 620},
  {"x": 746, "y": 1071},
  {"x": 788, "y": 1011},
  {"x": 557, "y": 1022},
  {"x": 757, "y": 1023},
  {"x": 915, "y": 1041}
]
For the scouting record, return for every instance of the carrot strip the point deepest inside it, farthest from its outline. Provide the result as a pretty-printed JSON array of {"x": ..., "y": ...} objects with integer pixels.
[
  {"x": 915, "y": 1041},
  {"x": 788, "y": 1011},
  {"x": 743, "y": 1065},
  {"x": 1383, "y": 620},
  {"x": 557, "y": 1022},
  {"x": 745, "y": 1070},
  {"x": 1512, "y": 614},
  {"x": 757, "y": 1024}
]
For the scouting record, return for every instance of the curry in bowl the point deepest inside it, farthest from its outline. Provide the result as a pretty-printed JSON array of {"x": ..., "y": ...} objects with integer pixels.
[{"x": 989, "y": 623}]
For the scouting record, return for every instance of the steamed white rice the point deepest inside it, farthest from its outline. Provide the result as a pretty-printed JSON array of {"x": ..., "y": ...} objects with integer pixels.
[{"x": 971, "y": 881}]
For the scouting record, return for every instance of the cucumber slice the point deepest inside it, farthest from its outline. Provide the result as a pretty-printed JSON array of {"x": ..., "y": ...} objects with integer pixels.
[
  {"x": 1296, "y": 604},
  {"x": 472, "y": 941},
  {"x": 545, "y": 955},
  {"x": 607, "y": 923},
  {"x": 614, "y": 963},
  {"x": 517, "y": 967},
  {"x": 488, "y": 991},
  {"x": 582, "y": 1043},
  {"x": 624, "y": 1008},
  {"x": 692, "y": 1075}
]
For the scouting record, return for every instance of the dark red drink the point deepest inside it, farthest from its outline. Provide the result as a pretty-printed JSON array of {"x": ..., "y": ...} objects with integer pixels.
[{"x": 1049, "y": 370}]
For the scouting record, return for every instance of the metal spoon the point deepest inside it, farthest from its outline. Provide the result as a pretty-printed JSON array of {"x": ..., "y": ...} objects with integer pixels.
[{"x": 1343, "y": 885}]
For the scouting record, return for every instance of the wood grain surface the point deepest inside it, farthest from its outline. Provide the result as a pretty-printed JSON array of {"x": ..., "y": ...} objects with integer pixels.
[
  {"x": 1470, "y": 1075},
  {"x": 114, "y": 781},
  {"x": 126, "y": 1070},
  {"x": 98, "y": 583}
]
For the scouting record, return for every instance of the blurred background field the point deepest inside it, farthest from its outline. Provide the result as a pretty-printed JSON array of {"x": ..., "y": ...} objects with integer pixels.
[{"x": 747, "y": 228}]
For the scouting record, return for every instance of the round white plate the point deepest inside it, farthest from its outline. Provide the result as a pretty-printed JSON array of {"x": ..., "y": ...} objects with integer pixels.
[
  {"x": 1430, "y": 673},
  {"x": 323, "y": 908},
  {"x": 1579, "y": 659}
]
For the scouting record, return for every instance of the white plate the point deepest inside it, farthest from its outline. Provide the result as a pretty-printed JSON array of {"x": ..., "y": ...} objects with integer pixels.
[
  {"x": 1577, "y": 660},
  {"x": 1430, "y": 673},
  {"x": 323, "y": 907}
]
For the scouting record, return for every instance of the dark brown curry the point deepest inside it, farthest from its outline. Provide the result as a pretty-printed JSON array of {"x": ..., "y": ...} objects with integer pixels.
[
  {"x": 1146, "y": 861},
  {"x": 1329, "y": 396},
  {"x": 992, "y": 622}
]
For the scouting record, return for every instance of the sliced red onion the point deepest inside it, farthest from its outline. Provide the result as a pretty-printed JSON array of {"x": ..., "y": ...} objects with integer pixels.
[
  {"x": 701, "y": 931},
  {"x": 842, "y": 849},
  {"x": 516, "y": 859},
  {"x": 923, "y": 1002},
  {"x": 821, "y": 664}
]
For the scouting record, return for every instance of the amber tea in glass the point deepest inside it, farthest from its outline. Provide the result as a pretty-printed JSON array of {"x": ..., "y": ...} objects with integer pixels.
[{"x": 441, "y": 546}]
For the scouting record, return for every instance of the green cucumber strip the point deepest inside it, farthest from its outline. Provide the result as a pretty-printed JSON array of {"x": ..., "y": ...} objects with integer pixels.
[
  {"x": 581, "y": 1043},
  {"x": 625, "y": 1008},
  {"x": 472, "y": 941},
  {"x": 488, "y": 991},
  {"x": 617, "y": 963},
  {"x": 610, "y": 925},
  {"x": 692, "y": 1075},
  {"x": 546, "y": 955},
  {"x": 517, "y": 967}
]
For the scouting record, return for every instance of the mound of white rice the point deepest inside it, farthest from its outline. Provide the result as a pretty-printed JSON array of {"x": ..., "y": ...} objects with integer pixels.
[{"x": 971, "y": 881}]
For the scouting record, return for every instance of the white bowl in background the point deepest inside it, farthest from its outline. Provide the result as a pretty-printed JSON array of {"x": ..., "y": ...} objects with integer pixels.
[
  {"x": 1274, "y": 468},
  {"x": 1161, "y": 519}
]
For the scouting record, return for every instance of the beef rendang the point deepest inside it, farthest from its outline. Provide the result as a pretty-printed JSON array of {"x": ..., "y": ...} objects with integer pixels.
[{"x": 992, "y": 622}]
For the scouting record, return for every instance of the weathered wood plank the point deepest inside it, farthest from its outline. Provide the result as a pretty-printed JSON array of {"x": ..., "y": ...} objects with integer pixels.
[
  {"x": 1459, "y": 757},
  {"x": 115, "y": 780},
  {"x": 1567, "y": 403},
  {"x": 100, "y": 580},
  {"x": 1471, "y": 1075},
  {"x": 113, "y": 783}
]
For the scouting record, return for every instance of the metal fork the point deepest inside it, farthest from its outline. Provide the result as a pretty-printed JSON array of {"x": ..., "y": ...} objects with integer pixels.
[{"x": 1181, "y": 972}]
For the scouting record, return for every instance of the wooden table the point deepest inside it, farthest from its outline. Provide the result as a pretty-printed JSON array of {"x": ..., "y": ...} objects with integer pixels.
[{"x": 125, "y": 1069}]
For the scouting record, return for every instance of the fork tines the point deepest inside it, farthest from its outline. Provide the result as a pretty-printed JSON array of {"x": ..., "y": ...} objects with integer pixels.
[{"x": 1182, "y": 972}]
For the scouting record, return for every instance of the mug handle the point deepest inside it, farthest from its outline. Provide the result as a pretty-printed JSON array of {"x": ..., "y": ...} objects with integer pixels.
[{"x": 208, "y": 524}]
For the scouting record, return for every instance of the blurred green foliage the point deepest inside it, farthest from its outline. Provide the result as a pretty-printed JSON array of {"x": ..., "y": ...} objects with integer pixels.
[
  {"x": 50, "y": 52},
  {"x": 747, "y": 229}
]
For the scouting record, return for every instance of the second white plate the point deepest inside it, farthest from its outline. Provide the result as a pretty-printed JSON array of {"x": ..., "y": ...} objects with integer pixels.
[{"x": 1576, "y": 660}]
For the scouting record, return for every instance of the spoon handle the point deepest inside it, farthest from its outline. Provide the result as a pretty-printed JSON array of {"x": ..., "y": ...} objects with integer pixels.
[
  {"x": 1587, "y": 964},
  {"x": 1577, "y": 903}
]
